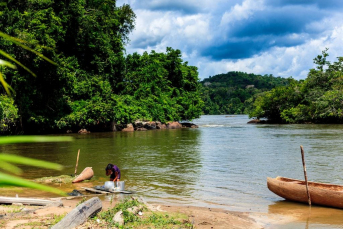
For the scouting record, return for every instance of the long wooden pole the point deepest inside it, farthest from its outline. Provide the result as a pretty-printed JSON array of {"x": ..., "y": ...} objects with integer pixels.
[
  {"x": 304, "y": 166},
  {"x": 77, "y": 161}
]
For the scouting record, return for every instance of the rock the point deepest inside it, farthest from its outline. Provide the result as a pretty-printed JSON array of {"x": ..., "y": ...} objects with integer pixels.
[
  {"x": 160, "y": 126},
  {"x": 141, "y": 129},
  {"x": 254, "y": 121},
  {"x": 69, "y": 131},
  {"x": 149, "y": 125},
  {"x": 174, "y": 125},
  {"x": 83, "y": 131},
  {"x": 134, "y": 209},
  {"x": 119, "y": 218},
  {"x": 189, "y": 125},
  {"x": 138, "y": 124},
  {"x": 75, "y": 193},
  {"x": 129, "y": 128}
]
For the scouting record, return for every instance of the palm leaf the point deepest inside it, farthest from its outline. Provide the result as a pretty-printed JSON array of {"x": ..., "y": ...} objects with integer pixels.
[
  {"x": 29, "y": 161},
  {"x": 20, "y": 43},
  {"x": 10, "y": 168},
  {"x": 8, "y": 180},
  {"x": 30, "y": 139},
  {"x": 6, "y": 63},
  {"x": 17, "y": 62},
  {"x": 5, "y": 85}
]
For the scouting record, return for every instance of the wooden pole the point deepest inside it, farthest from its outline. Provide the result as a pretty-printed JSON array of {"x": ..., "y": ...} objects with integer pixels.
[
  {"x": 77, "y": 162},
  {"x": 304, "y": 166}
]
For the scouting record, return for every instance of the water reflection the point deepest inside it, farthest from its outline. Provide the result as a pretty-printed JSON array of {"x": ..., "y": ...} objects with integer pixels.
[
  {"x": 304, "y": 216},
  {"x": 162, "y": 163},
  {"x": 224, "y": 163}
]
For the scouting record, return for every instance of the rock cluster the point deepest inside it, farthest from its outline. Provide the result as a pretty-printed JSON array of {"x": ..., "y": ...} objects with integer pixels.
[{"x": 143, "y": 126}]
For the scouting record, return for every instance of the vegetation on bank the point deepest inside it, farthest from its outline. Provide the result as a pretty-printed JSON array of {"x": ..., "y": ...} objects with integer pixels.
[
  {"x": 235, "y": 92},
  {"x": 317, "y": 99},
  {"x": 130, "y": 209},
  {"x": 93, "y": 82}
]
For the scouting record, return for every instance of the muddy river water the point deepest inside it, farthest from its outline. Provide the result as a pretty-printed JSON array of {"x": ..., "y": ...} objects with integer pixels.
[{"x": 222, "y": 164}]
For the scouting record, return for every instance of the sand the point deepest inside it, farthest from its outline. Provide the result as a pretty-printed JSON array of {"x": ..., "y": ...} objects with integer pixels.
[{"x": 29, "y": 216}]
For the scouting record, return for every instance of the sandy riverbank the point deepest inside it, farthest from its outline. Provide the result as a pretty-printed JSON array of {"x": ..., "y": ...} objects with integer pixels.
[{"x": 44, "y": 217}]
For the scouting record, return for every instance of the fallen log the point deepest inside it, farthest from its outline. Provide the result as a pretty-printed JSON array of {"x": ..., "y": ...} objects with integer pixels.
[
  {"x": 80, "y": 214},
  {"x": 28, "y": 201},
  {"x": 105, "y": 192},
  {"x": 95, "y": 190}
]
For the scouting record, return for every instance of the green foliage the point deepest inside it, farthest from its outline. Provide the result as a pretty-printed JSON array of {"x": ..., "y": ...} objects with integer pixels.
[
  {"x": 317, "y": 99},
  {"x": 148, "y": 220},
  {"x": 235, "y": 92},
  {"x": 93, "y": 83},
  {"x": 8, "y": 114}
]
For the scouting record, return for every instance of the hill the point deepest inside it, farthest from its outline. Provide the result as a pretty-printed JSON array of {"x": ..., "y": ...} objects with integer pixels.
[{"x": 233, "y": 92}]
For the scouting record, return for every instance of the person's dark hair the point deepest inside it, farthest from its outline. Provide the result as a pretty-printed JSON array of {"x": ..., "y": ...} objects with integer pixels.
[{"x": 109, "y": 167}]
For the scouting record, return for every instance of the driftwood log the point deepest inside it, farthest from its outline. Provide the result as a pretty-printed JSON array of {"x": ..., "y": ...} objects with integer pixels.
[
  {"x": 80, "y": 214},
  {"x": 105, "y": 192},
  {"x": 28, "y": 201}
]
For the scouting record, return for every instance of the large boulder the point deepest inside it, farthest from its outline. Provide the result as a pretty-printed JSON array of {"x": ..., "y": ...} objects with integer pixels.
[
  {"x": 160, "y": 126},
  {"x": 149, "y": 125},
  {"x": 189, "y": 125},
  {"x": 83, "y": 131},
  {"x": 129, "y": 128},
  {"x": 174, "y": 125}
]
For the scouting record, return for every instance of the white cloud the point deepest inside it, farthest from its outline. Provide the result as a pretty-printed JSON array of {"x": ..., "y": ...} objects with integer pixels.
[
  {"x": 158, "y": 28},
  {"x": 241, "y": 11},
  {"x": 285, "y": 61}
]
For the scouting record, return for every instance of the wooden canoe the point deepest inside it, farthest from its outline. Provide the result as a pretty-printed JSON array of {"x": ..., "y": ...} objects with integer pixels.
[
  {"x": 295, "y": 190},
  {"x": 86, "y": 174}
]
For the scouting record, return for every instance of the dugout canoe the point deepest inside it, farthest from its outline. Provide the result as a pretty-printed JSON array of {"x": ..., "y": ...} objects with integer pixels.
[
  {"x": 86, "y": 174},
  {"x": 295, "y": 190}
]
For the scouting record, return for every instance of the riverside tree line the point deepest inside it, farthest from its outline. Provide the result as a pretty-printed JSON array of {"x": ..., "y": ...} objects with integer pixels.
[{"x": 94, "y": 82}]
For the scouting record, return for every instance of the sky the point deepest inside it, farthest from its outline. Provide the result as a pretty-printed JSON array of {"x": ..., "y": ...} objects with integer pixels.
[{"x": 278, "y": 37}]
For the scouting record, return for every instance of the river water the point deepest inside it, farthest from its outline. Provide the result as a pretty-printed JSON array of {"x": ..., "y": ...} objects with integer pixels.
[{"x": 222, "y": 164}]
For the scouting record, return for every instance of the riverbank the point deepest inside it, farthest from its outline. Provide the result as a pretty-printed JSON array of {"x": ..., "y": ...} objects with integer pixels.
[{"x": 14, "y": 216}]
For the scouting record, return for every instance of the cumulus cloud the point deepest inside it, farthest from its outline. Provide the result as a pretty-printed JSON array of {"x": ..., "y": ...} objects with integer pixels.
[{"x": 279, "y": 37}]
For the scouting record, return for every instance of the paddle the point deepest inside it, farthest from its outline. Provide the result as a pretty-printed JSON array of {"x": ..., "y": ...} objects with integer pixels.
[{"x": 304, "y": 166}]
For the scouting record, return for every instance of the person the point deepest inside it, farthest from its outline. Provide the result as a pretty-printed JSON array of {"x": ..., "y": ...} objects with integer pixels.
[{"x": 113, "y": 171}]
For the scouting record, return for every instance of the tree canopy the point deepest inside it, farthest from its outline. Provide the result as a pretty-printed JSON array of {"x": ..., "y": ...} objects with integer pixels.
[
  {"x": 94, "y": 82},
  {"x": 234, "y": 92},
  {"x": 317, "y": 99}
]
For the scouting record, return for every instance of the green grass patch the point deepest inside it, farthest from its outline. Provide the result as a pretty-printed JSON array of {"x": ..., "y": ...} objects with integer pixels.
[
  {"x": 148, "y": 219},
  {"x": 64, "y": 179}
]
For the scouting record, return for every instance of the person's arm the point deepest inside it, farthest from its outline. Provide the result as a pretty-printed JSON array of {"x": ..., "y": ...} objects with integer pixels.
[{"x": 116, "y": 177}]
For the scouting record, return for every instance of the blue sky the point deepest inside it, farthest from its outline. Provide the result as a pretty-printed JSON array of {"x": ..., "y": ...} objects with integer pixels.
[{"x": 279, "y": 37}]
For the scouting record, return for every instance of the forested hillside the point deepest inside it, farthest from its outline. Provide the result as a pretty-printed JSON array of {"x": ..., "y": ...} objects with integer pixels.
[
  {"x": 234, "y": 92},
  {"x": 317, "y": 99},
  {"x": 93, "y": 82}
]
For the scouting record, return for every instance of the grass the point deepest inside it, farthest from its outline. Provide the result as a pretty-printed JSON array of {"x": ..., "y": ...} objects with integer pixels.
[
  {"x": 65, "y": 179},
  {"x": 148, "y": 219},
  {"x": 10, "y": 209},
  {"x": 81, "y": 201}
]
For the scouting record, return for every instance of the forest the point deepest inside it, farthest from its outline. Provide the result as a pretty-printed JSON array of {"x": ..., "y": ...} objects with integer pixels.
[
  {"x": 91, "y": 81},
  {"x": 235, "y": 92},
  {"x": 317, "y": 99}
]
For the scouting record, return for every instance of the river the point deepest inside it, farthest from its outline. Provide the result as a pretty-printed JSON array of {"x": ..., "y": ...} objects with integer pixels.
[{"x": 223, "y": 164}]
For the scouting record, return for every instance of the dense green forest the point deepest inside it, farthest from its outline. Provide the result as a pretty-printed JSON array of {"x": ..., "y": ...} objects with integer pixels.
[
  {"x": 235, "y": 92},
  {"x": 317, "y": 99},
  {"x": 93, "y": 82}
]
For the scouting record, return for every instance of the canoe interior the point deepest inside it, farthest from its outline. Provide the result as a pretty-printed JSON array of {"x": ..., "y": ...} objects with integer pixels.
[{"x": 333, "y": 187}]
